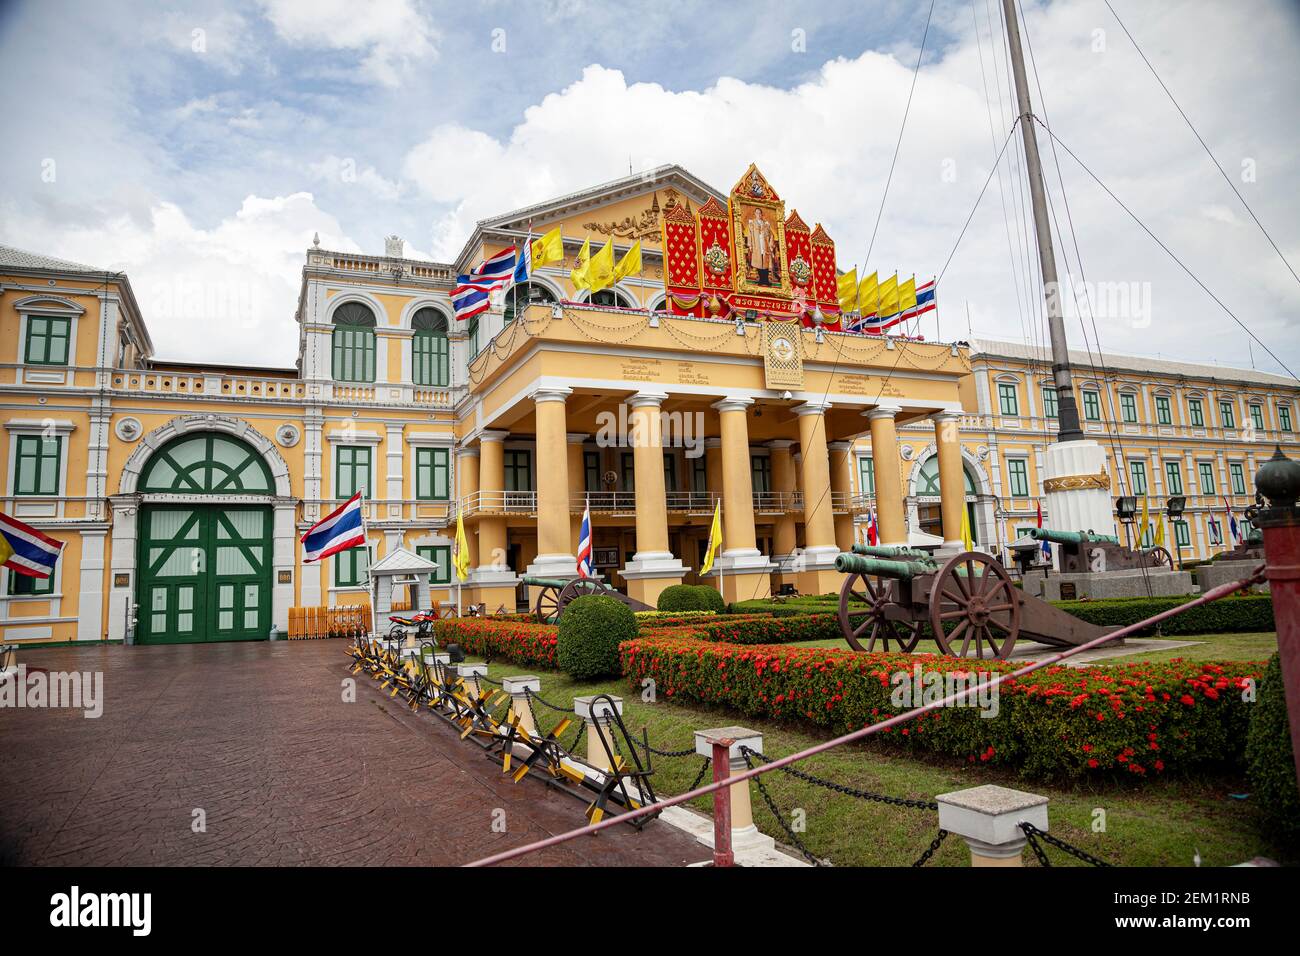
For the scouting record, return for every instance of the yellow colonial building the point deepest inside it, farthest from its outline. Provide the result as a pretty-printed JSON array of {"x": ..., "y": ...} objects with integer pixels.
[{"x": 181, "y": 489}]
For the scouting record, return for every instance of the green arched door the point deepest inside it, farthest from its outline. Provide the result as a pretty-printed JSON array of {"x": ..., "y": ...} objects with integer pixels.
[{"x": 204, "y": 570}]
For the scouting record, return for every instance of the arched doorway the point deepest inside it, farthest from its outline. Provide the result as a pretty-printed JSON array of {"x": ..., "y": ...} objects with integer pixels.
[
  {"x": 926, "y": 490},
  {"x": 204, "y": 568}
]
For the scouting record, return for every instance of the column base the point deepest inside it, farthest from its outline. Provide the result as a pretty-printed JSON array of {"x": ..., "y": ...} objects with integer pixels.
[
  {"x": 553, "y": 566},
  {"x": 742, "y": 575},
  {"x": 650, "y": 573},
  {"x": 819, "y": 582}
]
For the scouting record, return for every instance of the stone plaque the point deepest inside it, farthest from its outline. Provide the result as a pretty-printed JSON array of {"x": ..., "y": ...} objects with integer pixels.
[{"x": 1068, "y": 591}]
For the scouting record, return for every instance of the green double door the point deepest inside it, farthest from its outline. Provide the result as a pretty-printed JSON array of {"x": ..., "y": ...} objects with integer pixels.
[{"x": 204, "y": 573}]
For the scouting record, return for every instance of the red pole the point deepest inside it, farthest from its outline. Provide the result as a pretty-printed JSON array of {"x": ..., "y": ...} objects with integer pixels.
[{"x": 722, "y": 855}]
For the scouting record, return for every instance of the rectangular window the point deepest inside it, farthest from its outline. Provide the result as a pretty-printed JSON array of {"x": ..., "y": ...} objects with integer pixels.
[
  {"x": 699, "y": 475},
  {"x": 432, "y": 474},
  {"x": 1182, "y": 534},
  {"x": 1007, "y": 399},
  {"x": 430, "y": 357},
  {"x": 439, "y": 554},
  {"x": 1164, "y": 415},
  {"x": 1018, "y": 477},
  {"x": 1148, "y": 535},
  {"x": 350, "y": 567},
  {"x": 1206, "y": 470},
  {"x": 36, "y": 465},
  {"x": 1284, "y": 417},
  {"x": 1051, "y": 408},
  {"x": 1238, "y": 475},
  {"x": 354, "y": 354},
  {"x": 628, "y": 469},
  {"x": 352, "y": 471},
  {"x": 1196, "y": 412},
  {"x": 591, "y": 470},
  {"x": 1092, "y": 406},
  {"x": 1128, "y": 407},
  {"x": 47, "y": 340},
  {"x": 519, "y": 470},
  {"x": 1138, "y": 473},
  {"x": 1173, "y": 478},
  {"x": 866, "y": 475},
  {"x": 761, "y": 469},
  {"x": 1216, "y": 530},
  {"x": 22, "y": 585},
  {"x": 670, "y": 471},
  {"x": 1225, "y": 415},
  {"x": 472, "y": 332},
  {"x": 1257, "y": 416}
]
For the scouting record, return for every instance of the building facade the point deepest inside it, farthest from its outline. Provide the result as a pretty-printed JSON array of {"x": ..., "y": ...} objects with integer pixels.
[{"x": 181, "y": 489}]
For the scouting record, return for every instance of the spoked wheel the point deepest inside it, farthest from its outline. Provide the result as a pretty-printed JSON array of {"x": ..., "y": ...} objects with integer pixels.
[
  {"x": 1159, "y": 558},
  {"x": 974, "y": 591},
  {"x": 580, "y": 587},
  {"x": 547, "y": 609},
  {"x": 863, "y": 599}
]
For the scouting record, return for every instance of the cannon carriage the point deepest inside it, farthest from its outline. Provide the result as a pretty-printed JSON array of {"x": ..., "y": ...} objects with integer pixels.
[
  {"x": 1086, "y": 551},
  {"x": 555, "y": 594},
  {"x": 971, "y": 605}
]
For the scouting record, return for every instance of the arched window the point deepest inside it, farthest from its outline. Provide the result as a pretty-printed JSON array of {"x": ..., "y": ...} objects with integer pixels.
[
  {"x": 610, "y": 297},
  {"x": 927, "y": 481},
  {"x": 207, "y": 464},
  {"x": 522, "y": 295},
  {"x": 354, "y": 343},
  {"x": 429, "y": 352}
]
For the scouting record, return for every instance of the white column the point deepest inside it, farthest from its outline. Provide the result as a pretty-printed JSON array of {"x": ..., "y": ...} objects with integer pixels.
[
  {"x": 90, "y": 604},
  {"x": 126, "y": 516},
  {"x": 282, "y": 560}
]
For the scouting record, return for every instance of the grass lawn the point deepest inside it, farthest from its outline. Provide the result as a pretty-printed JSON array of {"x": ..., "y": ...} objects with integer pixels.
[{"x": 1157, "y": 822}]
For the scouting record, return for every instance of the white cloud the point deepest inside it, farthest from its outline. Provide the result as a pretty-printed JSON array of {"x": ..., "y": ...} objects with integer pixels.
[
  {"x": 344, "y": 170},
  {"x": 391, "y": 33}
]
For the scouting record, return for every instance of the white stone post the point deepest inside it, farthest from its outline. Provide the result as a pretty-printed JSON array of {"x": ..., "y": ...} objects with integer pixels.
[
  {"x": 988, "y": 818},
  {"x": 592, "y": 709},
  {"x": 518, "y": 688},
  {"x": 744, "y": 835},
  {"x": 470, "y": 674}
]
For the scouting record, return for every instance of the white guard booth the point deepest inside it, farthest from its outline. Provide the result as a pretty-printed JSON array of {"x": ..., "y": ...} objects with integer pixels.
[{"x": 399, "y": 568}]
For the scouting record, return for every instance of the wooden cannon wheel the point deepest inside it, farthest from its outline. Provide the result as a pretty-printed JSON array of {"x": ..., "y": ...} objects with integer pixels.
[
  {"x": 580, "y": 587},
  {"x": 547, "y": 607},
  {"x": 974, "y": 590},
  {"x": 1159, "y": 558},
  {"x": 859, "y": 623}
]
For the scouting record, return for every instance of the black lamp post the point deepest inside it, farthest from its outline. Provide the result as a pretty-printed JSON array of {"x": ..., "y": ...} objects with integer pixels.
[
  {"x": 1126, "y": 507},
  {"x": 1174, "y": 507}
]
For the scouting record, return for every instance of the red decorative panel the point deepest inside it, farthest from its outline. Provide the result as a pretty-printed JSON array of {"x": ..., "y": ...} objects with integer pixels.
[
  {"x": 681, "y": 263},
  {"x": 799, "y": 261},
  {"x": 715, "y": 246},
  {"x": 824, "y": 273}
]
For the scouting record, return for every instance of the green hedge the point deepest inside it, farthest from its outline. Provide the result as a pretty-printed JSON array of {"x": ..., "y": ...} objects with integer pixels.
[
  {"x": 691, "y": 597},
  {"x": 589, "y": 632},
  {"x": 1247, "y": 612},
  {"x": 1137, "y": 719},
  {"x": 494, "y": 638},
  {"x": 766, "y": 630},
  {"x": 1270, "y": 763}
]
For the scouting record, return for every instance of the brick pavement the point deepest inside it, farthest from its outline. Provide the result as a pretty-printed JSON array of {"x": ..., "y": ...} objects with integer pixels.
[{"x": 258, "y": 736}]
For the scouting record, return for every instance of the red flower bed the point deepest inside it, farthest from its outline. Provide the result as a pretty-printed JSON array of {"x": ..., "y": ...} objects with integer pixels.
[
  {"x": 1134, "y": 719},
  {"x": 492, "y": 637}
]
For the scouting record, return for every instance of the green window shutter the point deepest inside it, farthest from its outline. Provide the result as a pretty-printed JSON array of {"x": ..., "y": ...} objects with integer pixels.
[
  {"x": 352, "y": 471},
  {"x": 22, "y": 585},
  {"x": 439, "y": 554},
  {"x": 432, "y": 474},
  {"x": 354, "y": 354},
  {"x": 47, "y": 340},
  {"x": 350, "y": 567},
  {"x": 36, "y": 465}
]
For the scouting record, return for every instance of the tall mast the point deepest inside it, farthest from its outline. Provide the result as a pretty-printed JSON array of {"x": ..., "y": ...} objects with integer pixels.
[{"x": 1067, "y": 410}]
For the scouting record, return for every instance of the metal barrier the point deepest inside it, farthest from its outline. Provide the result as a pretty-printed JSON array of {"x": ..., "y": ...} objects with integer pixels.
[{"x": 312, "y": 623}]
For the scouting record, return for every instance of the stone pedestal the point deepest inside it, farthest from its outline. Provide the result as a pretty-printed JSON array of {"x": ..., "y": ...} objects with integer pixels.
[
  {"x": 988, "y": 818},
  {"x": 1087, "y": 507},
  {"x": 1224, "y": 572},
  {"x": 1098, "y": 585}
]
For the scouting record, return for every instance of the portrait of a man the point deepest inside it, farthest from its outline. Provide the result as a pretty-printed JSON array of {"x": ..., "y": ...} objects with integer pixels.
[{"x": 762, "y": 255}]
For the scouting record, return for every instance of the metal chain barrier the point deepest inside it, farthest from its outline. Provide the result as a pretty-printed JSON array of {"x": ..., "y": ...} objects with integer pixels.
[
  {"x": 1033, "y": 834},
  {"x": 929, "y": 851},
  {"x": 545, "y": 703},
  {"x": 846, "y": 790},
  {"x": 776, "y": 812}
]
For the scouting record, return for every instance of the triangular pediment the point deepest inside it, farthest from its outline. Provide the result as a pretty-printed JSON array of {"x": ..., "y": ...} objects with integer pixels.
[{"x": 753, "y": 186}]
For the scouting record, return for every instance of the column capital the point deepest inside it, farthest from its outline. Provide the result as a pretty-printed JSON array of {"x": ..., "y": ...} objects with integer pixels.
[
  {"x": 713, "y": 443},
  {"x": 947, "y": 415},
  {"x": 812, "y": 407},
  {"x": 466, "y": 451},
  {"x": 493, "y": 435},
  {"x": 882, "y": 411},
  {"x": 780, "y": 443},
  {"x": 733, "y": 403},
  {"x": 646, "y": 399},
  {"x": 556, "y": 393},
  {"x": 839, "y": 446},
  {"x": 577, "y": 438}
]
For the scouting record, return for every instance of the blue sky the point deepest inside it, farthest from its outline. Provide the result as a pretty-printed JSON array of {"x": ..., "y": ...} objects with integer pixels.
[{"x": 200, "y": 145}]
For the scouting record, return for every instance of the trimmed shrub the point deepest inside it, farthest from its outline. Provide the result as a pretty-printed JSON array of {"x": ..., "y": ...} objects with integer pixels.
[
  {"x": 589, "y": 633},
  {"x": 1231, "y": 615},
  {"x": 691, "y": 597},
  {"x": 764, "y": 629},
  {"x": 669, "y": 618},
  {"x": 495, "y": 638},
  {"x": 1270, "y": 763},
  {"x": 1137, "y": 720}
]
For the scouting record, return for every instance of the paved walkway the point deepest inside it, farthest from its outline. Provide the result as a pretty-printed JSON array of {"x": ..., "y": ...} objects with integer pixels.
[{"x": 258, "y": 737}]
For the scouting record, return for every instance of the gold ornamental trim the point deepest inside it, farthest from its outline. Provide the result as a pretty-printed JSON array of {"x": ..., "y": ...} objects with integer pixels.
[
  {"x": 783, "y": 353},
  {"x": 1101, "y": 480}
]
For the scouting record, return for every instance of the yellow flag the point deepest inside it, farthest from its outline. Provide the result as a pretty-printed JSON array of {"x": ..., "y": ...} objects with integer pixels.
[
  {"x": 6, "y": 549},
  {"x": 889, "y": 296},
  {"x": 1146, "y": 520},
  {"x": 715, "y": 539},
  {"x": 846, "y": 289},
  {"x": 461, "y": 558},
  {"x": 630, "y": 263},
  {"x": 1160, "y": 531},
  {"x": 579, "y": 272},
  {"x": 548, "y": 249},
  {"x": 867, "y": 292},
  {"x": 600, "y": 270},
  {"x": 967, "y": 539},
  {"x": 907, "y": 295}
]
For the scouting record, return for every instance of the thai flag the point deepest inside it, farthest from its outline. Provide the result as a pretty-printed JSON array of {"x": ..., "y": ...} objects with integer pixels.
[
  {"x": 1047, "y": 545},
  {"x": 584, "y": 544},
  {"x": 1232, "y": 521},
  {"x": 871, "y": 527},
  {"x": 878, "y": 323},
  {"x": 924, "y": 301},
  {"x": 473, "y": 290},
  {"x": 25, "y": 550},
  {"x": 468, "y": 300},
  {"x": 339, "y": 530}
]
